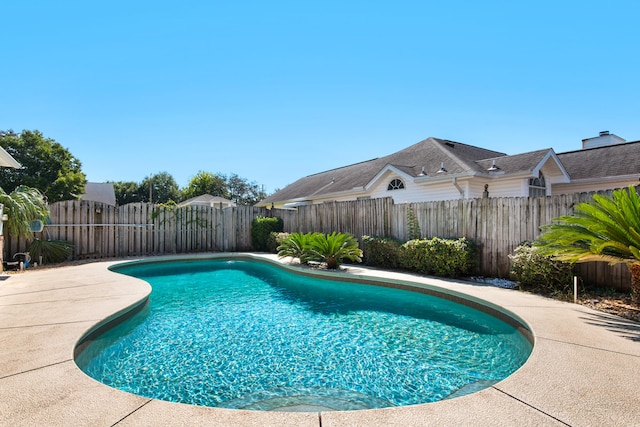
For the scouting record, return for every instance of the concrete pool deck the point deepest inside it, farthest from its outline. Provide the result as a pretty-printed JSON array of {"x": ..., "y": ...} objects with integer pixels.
[{"x": 583, "y": 370}]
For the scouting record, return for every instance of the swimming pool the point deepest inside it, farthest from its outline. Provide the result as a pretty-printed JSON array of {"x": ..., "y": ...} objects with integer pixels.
[{"x": 246, "y": 334}]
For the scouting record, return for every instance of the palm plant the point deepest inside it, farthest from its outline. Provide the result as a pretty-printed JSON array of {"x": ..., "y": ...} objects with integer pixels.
[
  {"x": 334, "y": 248},
  {"x": 296, "y": 245},
  {"x": 23, "y": 206},
  {"x": 607, "y": 229}
]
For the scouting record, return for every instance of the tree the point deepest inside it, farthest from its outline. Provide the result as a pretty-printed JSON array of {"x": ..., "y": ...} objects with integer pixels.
[
  {"x": 243, "y": 192},
  {"x": 163, "y": 189},
  {"x": 235, "y": 188},
  {"x": 206, "y": 183},
  {"x": 47, "y": 166},
  {"x": 606, "y": 229},
  {"x": 127, "y": 192}
]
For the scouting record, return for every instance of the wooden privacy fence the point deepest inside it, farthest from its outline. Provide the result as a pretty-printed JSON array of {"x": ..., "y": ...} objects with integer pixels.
[
  {"x": 497, "y": 225},
  {"x": 136, "y": 229}
]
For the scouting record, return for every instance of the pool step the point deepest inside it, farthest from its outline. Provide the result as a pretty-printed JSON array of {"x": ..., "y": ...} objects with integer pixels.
[{"x": 311, "y": 399}]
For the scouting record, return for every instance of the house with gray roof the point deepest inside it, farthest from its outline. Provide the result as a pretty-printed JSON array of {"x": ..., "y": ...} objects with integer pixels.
[
  {"x": 209, "y": 200},
  {"x": 439, "y": 169}
]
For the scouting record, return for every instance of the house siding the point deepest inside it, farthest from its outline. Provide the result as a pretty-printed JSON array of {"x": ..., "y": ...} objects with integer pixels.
[
  {"x": 586, "y": 187},
  {"x": 415, "y": 192}
]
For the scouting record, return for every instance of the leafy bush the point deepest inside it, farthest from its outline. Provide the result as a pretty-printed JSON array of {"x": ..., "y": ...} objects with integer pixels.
[
  {"x": 296, "y": 245},
  {"x": 275, "y": 239},
  {"x": 381, "y": 251},
  {"x": 539, "y": 273},
  {"x": 50, "y": 250},
  {"x": 261, "y": 227},
  {"x": 439, "y": 257}
]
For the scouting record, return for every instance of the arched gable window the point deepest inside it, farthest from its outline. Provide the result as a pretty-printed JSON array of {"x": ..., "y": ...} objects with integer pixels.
[
  {"x": 395, "y": 184},
  {"x": 537, "y": 186}
]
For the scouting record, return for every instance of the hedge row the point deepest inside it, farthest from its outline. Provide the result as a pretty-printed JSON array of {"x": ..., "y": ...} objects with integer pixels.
[{"x": 435, "y": 256}]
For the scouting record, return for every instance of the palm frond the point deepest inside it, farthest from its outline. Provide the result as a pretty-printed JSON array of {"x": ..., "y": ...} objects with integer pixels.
[
  {"x": 604, "y": 230},
  {"x": 22, "y": 206}
]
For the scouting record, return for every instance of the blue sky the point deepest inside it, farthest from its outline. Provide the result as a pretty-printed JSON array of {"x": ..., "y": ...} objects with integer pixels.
[{"x": 277, "y": 90}]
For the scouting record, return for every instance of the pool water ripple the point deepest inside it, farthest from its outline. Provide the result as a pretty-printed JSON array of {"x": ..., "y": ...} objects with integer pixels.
[{"x": 250, "y": 335}]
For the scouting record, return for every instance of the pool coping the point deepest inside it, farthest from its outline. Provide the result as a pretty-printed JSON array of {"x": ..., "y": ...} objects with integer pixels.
[{"x": 582, "y": 370}]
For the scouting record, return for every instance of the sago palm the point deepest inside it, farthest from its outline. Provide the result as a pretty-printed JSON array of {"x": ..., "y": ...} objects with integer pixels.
[
  {"x": 296, "y": 245},
  {"x": 606, "y": 229},
  {"x": 334, "y": 248}
]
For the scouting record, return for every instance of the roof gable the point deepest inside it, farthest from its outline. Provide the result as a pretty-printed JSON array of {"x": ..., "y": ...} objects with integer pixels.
[
  {"x": 526, "y": 164},
  {"x": 207, "y": 199}
]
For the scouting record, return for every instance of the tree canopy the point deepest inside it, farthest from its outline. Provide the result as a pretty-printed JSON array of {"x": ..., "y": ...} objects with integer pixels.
[
  {"x": 160, "y": 188},
  {"x": 127, "y": 192},
  {"x": 47, "y": 166},
  {"x": 206, "y": 183},
  {"x": 233, "y": 187}
]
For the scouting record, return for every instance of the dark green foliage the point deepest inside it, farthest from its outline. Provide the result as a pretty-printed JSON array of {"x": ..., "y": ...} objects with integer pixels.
[
  {"x": 296, "y": 245},
  {"x": 540, "y": 273},
  {"x": 261, "y": 227},
  {"x": 127, "y": 192},
  {"x": 439, "y": 257},
  {"x": 331, "y": 249},
  {"x": 381, "y": 251},
  {"x": 607, "y": 229},
  {"x": 51, "y": 251},
  {"x": 46, "y": 166},
  {"x": 159, "y": 188},
  {"x": 275, "y": 240},
  {"x": 232, "y": 187},
  {"x": 334, "y": 248}
]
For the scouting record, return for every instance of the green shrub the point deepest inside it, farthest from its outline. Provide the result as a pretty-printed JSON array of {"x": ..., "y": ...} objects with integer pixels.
[
  {"x": 296, "y": 245},
  {"x": 275, "y": 239},
  {"x": 331, "y": 249},
  {"x": 538, "y": 273},
  {"x": 334, "y": 248},
  {"x": 439, "y": 257},
  {"x": 261, "y": 227},
  {"x": 381, "y": 252},
  {"x": 51, "y": 251}
]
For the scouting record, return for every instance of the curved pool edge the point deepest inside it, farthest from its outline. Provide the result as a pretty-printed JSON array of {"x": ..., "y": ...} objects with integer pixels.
[{"x": 49, "y": 389}]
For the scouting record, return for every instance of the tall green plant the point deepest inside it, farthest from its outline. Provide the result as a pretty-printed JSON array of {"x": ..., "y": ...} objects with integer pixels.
[
  {"x": 22, "y": 206},
  {"x": 334, "y": 248},
  {"x": 606, "y": 229},
  {"x": 261, "y": 227},
  {"x": 414, "y": 225},
  {"x": 296, "y": 245}
]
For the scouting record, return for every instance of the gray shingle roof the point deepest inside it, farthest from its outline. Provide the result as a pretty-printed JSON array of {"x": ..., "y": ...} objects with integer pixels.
[
  {"x": 429, "y": 153},
  {"x": 601, "y": 162},
  {"x": 517, "y": 163}
]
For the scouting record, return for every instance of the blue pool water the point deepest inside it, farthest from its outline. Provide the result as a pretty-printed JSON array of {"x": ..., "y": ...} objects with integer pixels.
[{"x": 247, "y": 334}]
